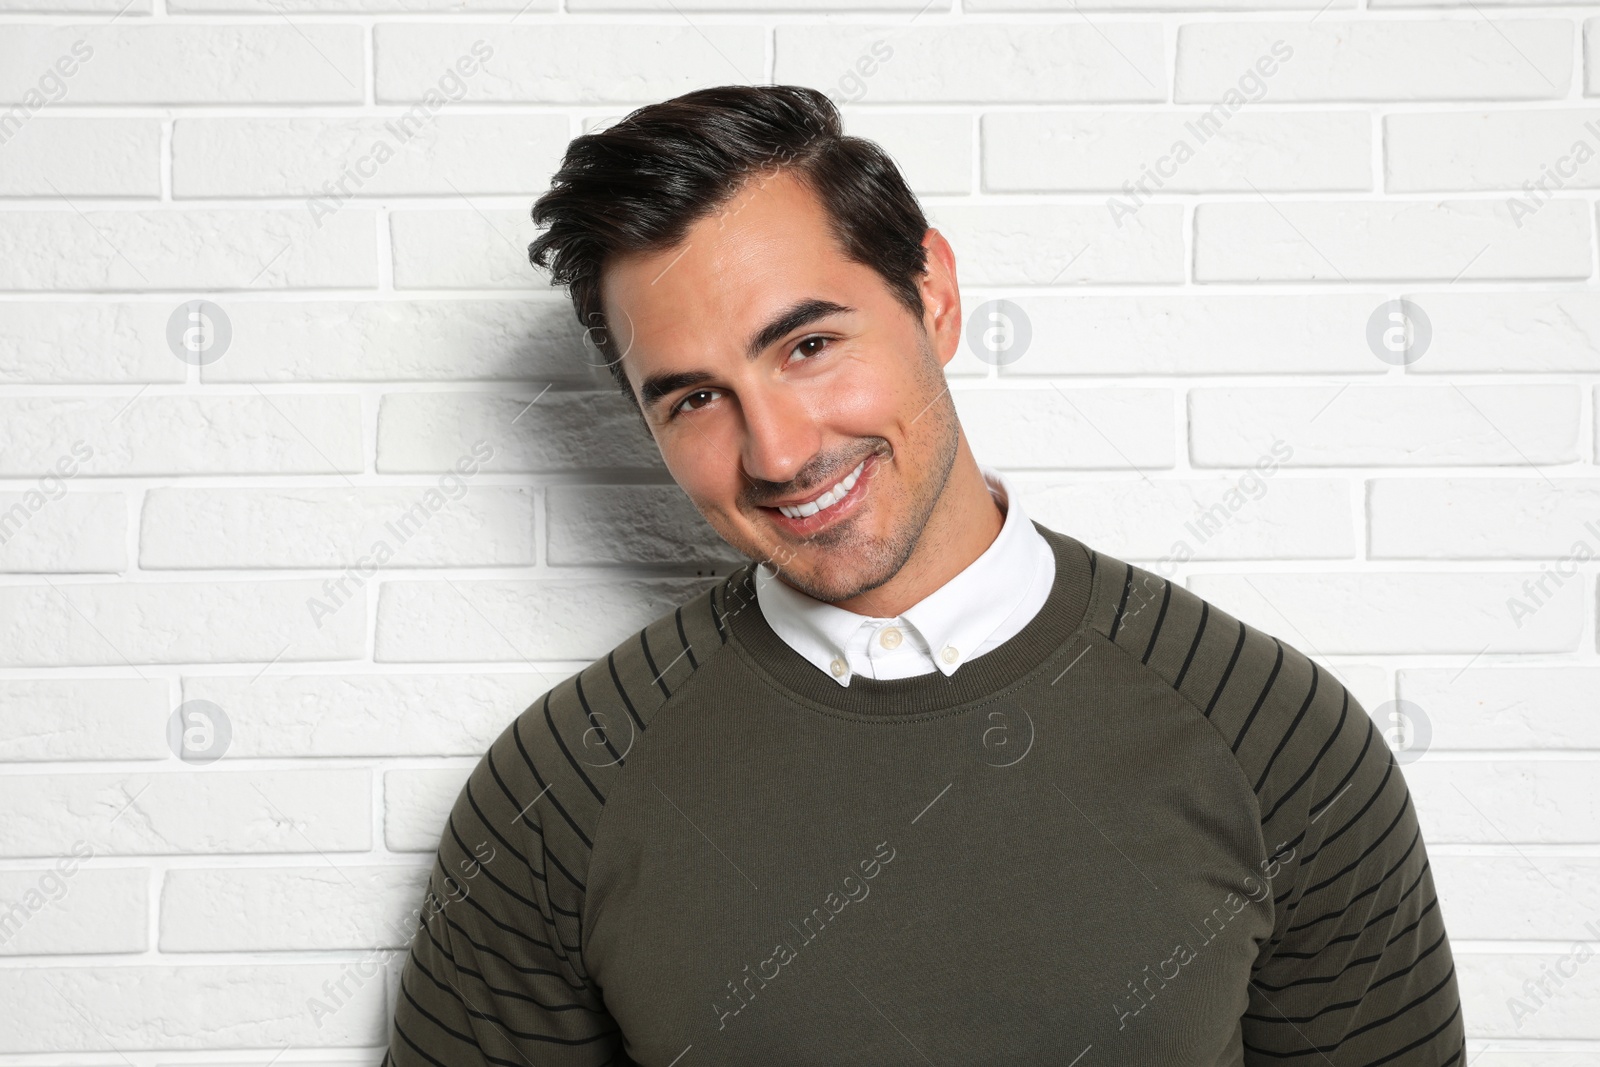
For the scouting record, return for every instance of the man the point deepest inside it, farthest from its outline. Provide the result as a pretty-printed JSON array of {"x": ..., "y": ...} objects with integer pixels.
[{"x": 925, "y": 782}]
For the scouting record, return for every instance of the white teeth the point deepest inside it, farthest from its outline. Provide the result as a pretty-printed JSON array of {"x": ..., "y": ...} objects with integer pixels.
[{"x": 826, "y": 500}]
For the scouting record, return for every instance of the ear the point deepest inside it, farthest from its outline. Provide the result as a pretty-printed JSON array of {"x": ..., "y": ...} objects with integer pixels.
[{"x": 941, "y": 296}]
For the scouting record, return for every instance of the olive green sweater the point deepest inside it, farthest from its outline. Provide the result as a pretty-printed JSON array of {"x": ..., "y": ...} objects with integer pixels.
[{"x": 1138, "y": 832}]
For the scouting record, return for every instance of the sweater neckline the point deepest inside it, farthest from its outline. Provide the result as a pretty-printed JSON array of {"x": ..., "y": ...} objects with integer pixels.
[{"x": 1043, "y": 639}]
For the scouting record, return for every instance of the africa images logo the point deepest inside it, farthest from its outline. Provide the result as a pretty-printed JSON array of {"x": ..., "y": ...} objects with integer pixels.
[
  {"x": 743, "y": 990},
  {"x": 1141, "y": 993}
]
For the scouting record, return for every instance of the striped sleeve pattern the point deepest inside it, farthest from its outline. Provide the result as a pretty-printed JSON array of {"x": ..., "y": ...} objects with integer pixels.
[
  {"x": 1358, "y": 970},
  {"x": 496, "y": 971}
]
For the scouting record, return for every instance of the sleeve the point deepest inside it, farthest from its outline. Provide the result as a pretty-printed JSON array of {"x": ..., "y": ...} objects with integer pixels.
[
  {"x": 1358, "y": 970},
  {"x": 495, "y": 971}
]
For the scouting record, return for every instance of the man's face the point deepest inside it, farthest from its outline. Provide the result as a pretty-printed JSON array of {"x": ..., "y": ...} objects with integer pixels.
[{"x": 770, "y": 368}]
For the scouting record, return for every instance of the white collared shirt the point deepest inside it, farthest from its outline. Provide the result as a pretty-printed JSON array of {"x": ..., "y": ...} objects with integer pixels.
[{"x": 974, "y": 612}]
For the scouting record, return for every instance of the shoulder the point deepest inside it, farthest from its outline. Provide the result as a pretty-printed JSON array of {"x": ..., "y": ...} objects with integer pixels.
[
  {"x": 1299, "y": 736},
  {"x": 557, "y": 760},
  {"x": 1358, "y": 960},
  {"x": 514, "y": 856}
]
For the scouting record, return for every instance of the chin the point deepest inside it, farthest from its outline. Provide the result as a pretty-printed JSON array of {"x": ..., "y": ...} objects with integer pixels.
[
  {"x": 822, "y": 579},
  {"x": 835, "y": 565}
]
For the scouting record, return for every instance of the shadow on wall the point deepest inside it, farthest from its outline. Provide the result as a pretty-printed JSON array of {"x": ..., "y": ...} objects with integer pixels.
[{"x": 609, "y": 498}]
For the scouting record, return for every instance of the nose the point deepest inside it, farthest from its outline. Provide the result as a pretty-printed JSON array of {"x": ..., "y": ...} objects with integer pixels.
[{"x": 780, "y": 435}]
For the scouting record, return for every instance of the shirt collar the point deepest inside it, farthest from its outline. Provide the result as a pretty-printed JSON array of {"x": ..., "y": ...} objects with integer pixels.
[{"x": 961, "y": 613}]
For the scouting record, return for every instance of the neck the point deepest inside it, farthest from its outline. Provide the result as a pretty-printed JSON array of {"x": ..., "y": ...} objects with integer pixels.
[{"x": 964, "y": 523}]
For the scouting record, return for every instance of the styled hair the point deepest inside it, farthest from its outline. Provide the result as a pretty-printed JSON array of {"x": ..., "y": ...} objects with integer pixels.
[{"x": 639, "y": 184}]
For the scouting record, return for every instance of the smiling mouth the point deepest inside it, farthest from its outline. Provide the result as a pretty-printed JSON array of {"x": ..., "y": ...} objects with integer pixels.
[{"x": 827, "y": 499}]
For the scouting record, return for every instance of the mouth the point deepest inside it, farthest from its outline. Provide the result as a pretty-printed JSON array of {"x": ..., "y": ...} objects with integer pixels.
[{"x": 832, "y": 505}]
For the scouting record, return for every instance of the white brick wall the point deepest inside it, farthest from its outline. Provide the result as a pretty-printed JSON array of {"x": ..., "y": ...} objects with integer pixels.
[{"x": 1195, "y": 206}]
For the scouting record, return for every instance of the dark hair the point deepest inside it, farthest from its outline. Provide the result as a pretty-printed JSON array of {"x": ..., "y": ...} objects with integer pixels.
[{"x": 639, "y": 185}]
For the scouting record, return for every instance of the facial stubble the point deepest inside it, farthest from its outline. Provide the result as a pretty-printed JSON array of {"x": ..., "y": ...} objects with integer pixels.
[{"x": 884, "y": 557}]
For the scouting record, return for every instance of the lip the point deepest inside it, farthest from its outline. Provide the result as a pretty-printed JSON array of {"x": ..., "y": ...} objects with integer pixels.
[{"x": 823, "y": 519}]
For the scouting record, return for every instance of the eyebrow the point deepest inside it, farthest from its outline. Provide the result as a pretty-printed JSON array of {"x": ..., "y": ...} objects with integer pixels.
[{"x": 797, "y": 315}]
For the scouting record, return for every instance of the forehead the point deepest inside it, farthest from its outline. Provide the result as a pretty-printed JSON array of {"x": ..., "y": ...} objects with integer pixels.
[{"x": 734, "y": 268}]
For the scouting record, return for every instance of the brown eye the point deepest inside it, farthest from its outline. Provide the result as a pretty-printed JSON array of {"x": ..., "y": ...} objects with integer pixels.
[
  {"x": 819, "y": 344},
  {"x": 683, "y": 405}
]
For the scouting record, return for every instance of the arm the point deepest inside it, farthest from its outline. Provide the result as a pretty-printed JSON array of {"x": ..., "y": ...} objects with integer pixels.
[
  {"x": 495, "y": 972},
  {"x": 1358, "y": 969}
]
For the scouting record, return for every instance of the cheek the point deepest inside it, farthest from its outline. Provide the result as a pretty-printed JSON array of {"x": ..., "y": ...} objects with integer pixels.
[
  {"x": 865, "y": 399},
  {"x": 704, "y": 471},
  {"x": 689, "y": 469}
]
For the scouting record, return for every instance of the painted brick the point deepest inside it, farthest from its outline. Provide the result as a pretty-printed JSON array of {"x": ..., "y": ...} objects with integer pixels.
[
  {"x": 156, "y": 813},
  {"x": 389, "y": 714},
  {"x": 452, "y": 521}
]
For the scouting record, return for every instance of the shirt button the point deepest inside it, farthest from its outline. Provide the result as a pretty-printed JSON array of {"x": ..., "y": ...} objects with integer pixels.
[
  {"x": 889, "y": 637},
  {"x": 949, "y": 655},
  {"x": 838, "y": 666}
]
